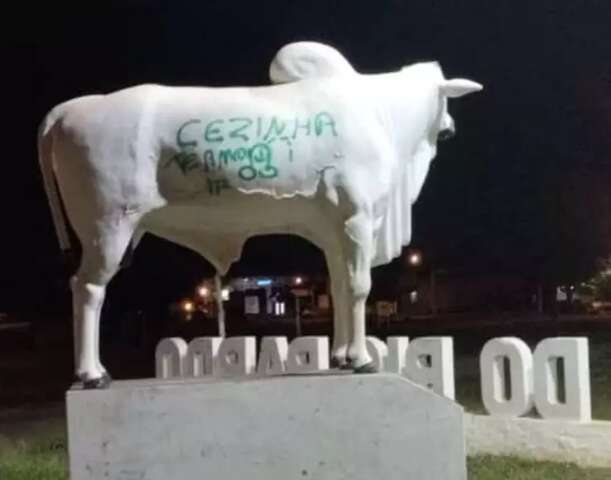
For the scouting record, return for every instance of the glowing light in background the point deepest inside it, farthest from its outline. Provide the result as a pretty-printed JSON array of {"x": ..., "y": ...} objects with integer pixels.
[{"x": 414, "y": 259}]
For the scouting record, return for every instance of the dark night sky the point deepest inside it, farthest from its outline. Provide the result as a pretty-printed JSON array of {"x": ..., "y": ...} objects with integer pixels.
[{"x": 523, "y": 187}]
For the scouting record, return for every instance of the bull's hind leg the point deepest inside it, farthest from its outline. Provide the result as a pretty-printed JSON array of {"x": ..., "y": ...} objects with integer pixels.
[
  {"x": 87, "y": 298},
  {"x": 102, "y": 254},
  {"x": 358, "y": 253}
]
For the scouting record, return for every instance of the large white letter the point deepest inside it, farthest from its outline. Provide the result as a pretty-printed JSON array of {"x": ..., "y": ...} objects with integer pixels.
[
  {"x": 430, "y": 362},
  {"x": 272, "y": 356},
  {"x": 170, "y": 358},
  {"x": 238, "y": 356},
  {"x": 308, "y": 354},
  {"x": 397, "y": 349},
  {"x": 499, "y": 399},
  {"x": 573, "y": 354},
  {"x": 202, "y": 356},
  {"x": 378, "y": 351}
]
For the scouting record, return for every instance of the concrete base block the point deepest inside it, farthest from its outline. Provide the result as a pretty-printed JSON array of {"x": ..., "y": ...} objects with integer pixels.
[
  {"x": 335, "y": 427},
  {"x": 586, "y": 444}
]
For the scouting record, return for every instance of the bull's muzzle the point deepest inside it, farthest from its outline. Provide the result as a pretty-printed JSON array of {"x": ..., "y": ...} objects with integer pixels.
[{"x": 446, "y": 134}]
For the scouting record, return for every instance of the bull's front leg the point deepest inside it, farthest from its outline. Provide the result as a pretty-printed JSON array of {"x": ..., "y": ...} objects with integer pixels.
[
  {"x": 357, "y": 255},
  {"x": 341, "y": 309}
]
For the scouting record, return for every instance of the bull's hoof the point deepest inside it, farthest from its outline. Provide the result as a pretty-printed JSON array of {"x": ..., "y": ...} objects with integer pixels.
[
  {"x": 98, "y": 383},
  {"x": 337, "y": 363},
  {"x": 367, "y": 368}
]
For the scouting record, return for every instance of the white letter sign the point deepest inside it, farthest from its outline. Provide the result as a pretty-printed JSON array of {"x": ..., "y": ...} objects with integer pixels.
[
  {"x": 238, "y": 356},
  {"x": 202, "y": 356},
  {"x": 378, "y": 351},
  {"x": 170, "y": 358},
  {"x": 308, "y": 354},
  {"x": 397, "y": 349},
  {"x": 430, "y": 362},
  {"x": 573, "y": 353},
  {"x": 273, "y": 355},
  {"x": 495, "y": 378}
]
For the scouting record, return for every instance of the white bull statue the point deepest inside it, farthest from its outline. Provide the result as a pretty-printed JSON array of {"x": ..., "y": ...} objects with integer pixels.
[{"x": 326, "y": 153}]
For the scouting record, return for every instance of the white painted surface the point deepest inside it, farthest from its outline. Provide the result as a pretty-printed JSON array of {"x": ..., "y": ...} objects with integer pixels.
[
  {"x": 207, "y": 168},
  {"x": 238, "y": 356},
  {"x": 319, "y": 427},
  {"x": 300, "y": 60},
  {"x": 575, "y": 354},
  {"x": 308, "y": 354},
  {"x": 587, "y": 444},
  {"x": 273, "y": 356},
  {"x": 378, "y": 351},
  {"x": 169, "y": 358},
  {"x": 202, "y": 356},
  {"x": 430, "y": 362},
  {"x": 397, "y": 349},
  {"x": 493, "y": 377}
]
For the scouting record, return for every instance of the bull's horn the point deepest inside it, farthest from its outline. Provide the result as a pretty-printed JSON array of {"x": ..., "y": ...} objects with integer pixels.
[{"x": 457, "y": 87}]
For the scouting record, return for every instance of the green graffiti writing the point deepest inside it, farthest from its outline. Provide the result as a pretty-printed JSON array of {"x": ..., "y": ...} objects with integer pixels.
[
  {"x": 209, "y": 161},
  {"x": 240, "y": 125},
  {"x": 212, "y": 133},
  {"x": 260, "y": 157},
  {"x": 179, "y": 139},
  {"x": 258, "y": 143},
  {"x": 276, "y": 127},
  {"x": 217, "y": 185},
  {"x": 322, "y": 120},
  {"x": 225, "y": 155},
  {"x": 301, "y": 126},
  {"x": 186, "y": 162}
]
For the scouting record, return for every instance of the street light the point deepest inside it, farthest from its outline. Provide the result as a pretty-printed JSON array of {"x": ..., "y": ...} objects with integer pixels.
[
  {"x": 298, "y": 280},
  {"x": 414, "y": 258},
  {"x": 203, "y": 292},
  {"x": 188, "y": 306}
]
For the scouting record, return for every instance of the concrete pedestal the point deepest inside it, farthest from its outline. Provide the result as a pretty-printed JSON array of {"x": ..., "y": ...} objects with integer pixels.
[{"x": 335, "y": 427}]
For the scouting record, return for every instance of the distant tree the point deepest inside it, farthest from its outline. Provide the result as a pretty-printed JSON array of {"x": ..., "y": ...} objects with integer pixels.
[{"x": 599, "y": 286}]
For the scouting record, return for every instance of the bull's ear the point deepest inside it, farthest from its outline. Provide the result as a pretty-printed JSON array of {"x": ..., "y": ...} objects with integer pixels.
[{"x": 457, "y": 87}]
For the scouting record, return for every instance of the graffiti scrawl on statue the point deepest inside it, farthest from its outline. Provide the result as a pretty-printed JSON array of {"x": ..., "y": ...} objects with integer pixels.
[{"x": 258, "y": 144}]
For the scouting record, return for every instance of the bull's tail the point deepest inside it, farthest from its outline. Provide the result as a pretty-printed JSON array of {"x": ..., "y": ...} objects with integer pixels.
[{"x": 45, "y": 158}]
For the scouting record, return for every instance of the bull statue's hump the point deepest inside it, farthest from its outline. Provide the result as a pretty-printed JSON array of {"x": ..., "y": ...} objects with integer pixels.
[{"x": 299, "y": 60}]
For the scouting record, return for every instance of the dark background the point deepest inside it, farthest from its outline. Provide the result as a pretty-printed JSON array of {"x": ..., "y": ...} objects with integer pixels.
[{"x": 523, "y": 188}]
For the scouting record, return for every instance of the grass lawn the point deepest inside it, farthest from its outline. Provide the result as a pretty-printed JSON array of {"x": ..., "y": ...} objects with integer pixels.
[
  {"x": 48, "y": 461},
  {"x": 44, "y": 461},
  {"x": 496, "y": 468}
]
